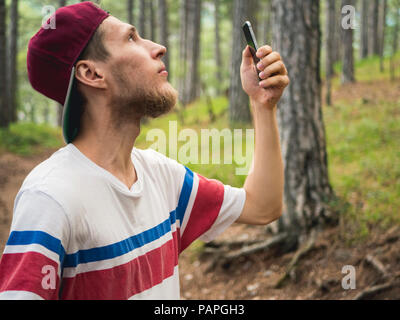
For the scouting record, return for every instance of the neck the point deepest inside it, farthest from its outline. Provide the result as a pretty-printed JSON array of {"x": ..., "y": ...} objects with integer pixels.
[{"x": 109, "y": 147}]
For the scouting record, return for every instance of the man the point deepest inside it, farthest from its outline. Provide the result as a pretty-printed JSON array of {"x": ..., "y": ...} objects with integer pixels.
[{"x": 101, "y": 219}]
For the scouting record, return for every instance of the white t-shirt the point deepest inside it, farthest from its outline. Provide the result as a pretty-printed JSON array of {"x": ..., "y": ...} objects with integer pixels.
[{"x": 80, "y": 233}]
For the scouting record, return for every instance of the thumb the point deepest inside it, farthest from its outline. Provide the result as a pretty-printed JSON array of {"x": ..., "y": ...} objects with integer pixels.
[{"x": 247, "y": 58}]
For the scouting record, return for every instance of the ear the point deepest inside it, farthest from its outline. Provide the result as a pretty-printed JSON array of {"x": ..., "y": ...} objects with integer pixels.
[{"x": 89, "y": 73}]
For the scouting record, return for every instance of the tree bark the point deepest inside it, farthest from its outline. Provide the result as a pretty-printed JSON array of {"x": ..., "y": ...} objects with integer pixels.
[
  {"x": 153, "y": 29},
  {"x": 182, "y": 67},
  {"x": 13, "y": 70},
  {"x": 142, "y": 18},
  {"x": 395, "y": 38},
  {"x": 364, "y": 29},
  {"x": 164, "y": 31},
  {"x": 130, "y": 7},
  {"x": 373, "y": 46},
  {"x": 395, "y": 41},
  {"x": 348, "y": 53},
  {"x": 330, "y": 43},
  {"x": 266, "y": 29},
  {"x": 4, "y": 110},
  {"x": 302, "y": 132},
  {"x": 337, "y": 52},
  {"x": 193, "y": 50},
  {"x": 239, "y": 111},
  {"x": 218, "y": 59},
  {"x": 381, "y": 31}
]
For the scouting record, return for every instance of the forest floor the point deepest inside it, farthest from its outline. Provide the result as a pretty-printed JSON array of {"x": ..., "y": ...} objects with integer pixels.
[{"x": 318, "y": 273}]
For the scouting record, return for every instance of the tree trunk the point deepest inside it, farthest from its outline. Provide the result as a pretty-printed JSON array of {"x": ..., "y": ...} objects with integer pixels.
[
  {"x": 302, "y": 131},
  {"x": 142, "y": 18},
  {"x": 4, "y": 110},
  {"x": 266, "y": 22},
  {"x": 252, "y": 12},
  {"x": 218, "y": 59},
  {"x": 46, "y": 114},
  {"x": 395, "y": 41},
  {"x": 364, "y": 29},
  {"x": 130, "y": 7},
  {"x": 164, "y": 33},
  {"x": 152, "y": 19},
  {"x": 348, "y": 53},
  {"x": 193, "y": 50},
  {"x": 373, "y": 46},
  {"x": 330, "y": 43},
  {"x": 13, "y": 70},
  {"x": 381, "y": 30},
  {"x": 337, "y": 50},
  {"x": 182, "y": 67},
  {"x": 239, "y": 111}
]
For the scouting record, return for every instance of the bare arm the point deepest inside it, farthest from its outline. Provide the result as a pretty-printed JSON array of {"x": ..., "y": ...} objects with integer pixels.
[{"x": 265, "y": 181}]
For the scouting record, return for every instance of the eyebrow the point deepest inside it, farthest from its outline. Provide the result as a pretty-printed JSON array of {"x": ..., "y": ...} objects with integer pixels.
[{"x": 132, "y": 29}]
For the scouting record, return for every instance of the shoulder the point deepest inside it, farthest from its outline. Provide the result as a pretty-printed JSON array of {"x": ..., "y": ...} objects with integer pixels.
[
  {"x": 55, "y": 180},
  {"x": 55, "y": 166}
]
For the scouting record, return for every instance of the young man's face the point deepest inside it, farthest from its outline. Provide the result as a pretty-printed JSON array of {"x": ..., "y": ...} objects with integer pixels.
[{"x": 136, "y": 80}]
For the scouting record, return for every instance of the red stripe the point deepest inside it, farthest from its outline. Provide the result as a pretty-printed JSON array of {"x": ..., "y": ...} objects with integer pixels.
[
  {"x": 25, "y": 272},
  {"x": 208, "y": 202},
  {"x": 123, "y": 281}
]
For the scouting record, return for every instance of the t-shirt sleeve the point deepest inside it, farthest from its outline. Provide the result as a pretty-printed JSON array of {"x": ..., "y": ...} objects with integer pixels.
[
  {"x": 206, "y": 208},
  {"x": 31, "y": 264}
]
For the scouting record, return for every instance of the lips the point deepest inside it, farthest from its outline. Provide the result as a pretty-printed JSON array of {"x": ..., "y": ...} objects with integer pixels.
[{"x": 162, "y": 69}]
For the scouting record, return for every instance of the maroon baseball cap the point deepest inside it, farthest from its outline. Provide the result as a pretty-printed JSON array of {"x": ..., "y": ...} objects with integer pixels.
[{"x": 52, "y": 54}]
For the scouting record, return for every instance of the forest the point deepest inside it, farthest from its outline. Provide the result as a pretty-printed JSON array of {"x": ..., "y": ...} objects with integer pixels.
[{"x": 339, "y": 127}]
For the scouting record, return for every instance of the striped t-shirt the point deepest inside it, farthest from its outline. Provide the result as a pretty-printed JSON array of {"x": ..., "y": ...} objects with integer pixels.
[{"x": 80, "y": 233}]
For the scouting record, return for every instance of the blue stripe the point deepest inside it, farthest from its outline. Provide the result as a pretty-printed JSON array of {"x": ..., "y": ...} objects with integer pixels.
[
  {"x": 112, "y": 250},
  {"x": 120, "y": 248},
  {"x": 37, "y": 237},
  {"x": 185, "y": 195}
]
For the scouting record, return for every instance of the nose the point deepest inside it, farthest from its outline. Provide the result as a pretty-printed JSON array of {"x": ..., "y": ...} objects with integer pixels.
[{"x": 159, "y": 51}]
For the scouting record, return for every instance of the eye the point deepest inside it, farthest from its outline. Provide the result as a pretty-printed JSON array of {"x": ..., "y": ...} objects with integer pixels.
[{"x": 132, "y": 37}]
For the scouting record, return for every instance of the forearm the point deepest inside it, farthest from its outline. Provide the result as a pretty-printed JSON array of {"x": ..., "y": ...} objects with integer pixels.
[{"x": 264, "y": 183}]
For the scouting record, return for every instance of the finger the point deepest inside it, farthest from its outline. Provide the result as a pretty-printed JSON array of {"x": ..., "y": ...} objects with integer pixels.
[
  {"x": 277, "y": 67},
  {"x": 276, "y": 81},
  {"x": 269, "y": 59},
  {"x": 246, "y": 52},
  {"x": 247, "y": 58},
  {"x": 263, "y": 51}
]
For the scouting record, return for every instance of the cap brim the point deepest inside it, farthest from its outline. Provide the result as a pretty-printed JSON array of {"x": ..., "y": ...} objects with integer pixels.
[{"x": 71, "y": 111}]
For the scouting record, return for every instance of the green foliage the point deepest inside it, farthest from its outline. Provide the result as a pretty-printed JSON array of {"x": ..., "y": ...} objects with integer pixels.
[
  {"x": 364, "y": 159},
  {"x": 29, "y": 138}
]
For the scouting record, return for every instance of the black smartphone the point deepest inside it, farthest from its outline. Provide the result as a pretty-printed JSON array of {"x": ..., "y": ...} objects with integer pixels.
[{"x": 252, "y": 42}]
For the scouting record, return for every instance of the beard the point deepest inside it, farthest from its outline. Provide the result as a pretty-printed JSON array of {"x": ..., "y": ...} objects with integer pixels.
[{"x": 140, "y": 101}]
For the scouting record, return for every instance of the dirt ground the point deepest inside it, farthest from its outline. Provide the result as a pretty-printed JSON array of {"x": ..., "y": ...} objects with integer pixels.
[{"x": 317, "y": 276}]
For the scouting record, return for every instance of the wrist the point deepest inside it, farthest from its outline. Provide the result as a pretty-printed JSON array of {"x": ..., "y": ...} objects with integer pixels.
[
  {"x": 261, "y": 110},
  {"x": 262, "y": 107}
]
